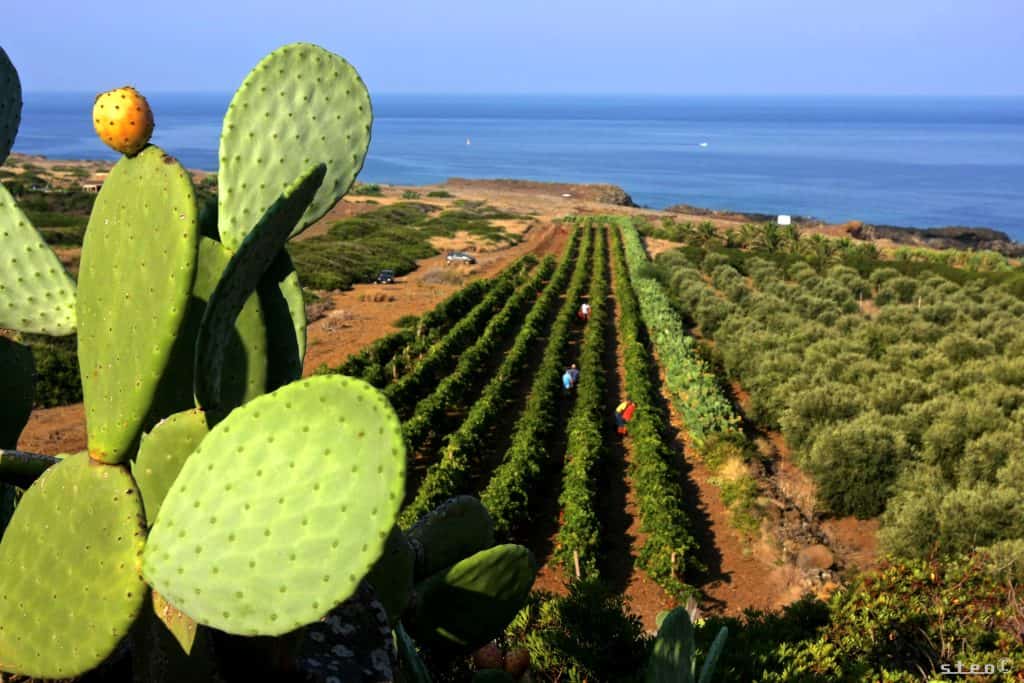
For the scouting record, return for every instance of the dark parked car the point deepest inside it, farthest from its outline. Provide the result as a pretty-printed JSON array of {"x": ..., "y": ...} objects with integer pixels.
[
  {"x": 386, "y": 277},
  {"x": 459, "y": 257}
]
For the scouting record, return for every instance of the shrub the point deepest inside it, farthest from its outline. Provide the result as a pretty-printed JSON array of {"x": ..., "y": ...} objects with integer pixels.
[
  {"x": 896, "y": 290},
  {"x": 371, "y": 190},
  {"x": 881, "y": 275},
  {"x": 440, "y": 194},
  {"x": 57, "y": 379},
  {"x": 410, "y": 194},
  {"x": 910, "y": 526},
  {"x": 585, "y": 635},
  {"x": 855, "y": 464},
  {"x": 818, "y": 406}
]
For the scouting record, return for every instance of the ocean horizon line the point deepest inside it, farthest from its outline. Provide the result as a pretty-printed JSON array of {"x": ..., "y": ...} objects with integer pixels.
[{"x": 651, "y": 95}]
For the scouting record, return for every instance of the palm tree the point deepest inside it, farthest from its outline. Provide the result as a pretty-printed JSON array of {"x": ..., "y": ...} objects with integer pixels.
[
  {"x": 705, "y": 233},
  {"x": 732, "y": 239},
  {"x": 770, "y": 239},
  {"x": 819, "y": 250},
  {"x": 791, "y": 237},
  {"x": 748, "y": 234}
]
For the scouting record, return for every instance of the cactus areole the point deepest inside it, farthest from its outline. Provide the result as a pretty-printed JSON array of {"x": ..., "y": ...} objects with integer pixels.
[{"x": 123, "y": 120}]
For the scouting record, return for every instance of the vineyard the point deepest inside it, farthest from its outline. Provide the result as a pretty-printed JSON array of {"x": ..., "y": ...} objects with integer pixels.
[{"x": 677, "y": 337}]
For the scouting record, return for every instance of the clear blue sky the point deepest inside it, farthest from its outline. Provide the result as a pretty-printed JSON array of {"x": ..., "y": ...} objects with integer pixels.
[{"x": 938, "y": 47}]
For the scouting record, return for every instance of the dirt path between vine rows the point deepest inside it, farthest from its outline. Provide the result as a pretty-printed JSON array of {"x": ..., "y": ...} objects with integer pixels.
[
  {"x": 618, "y": 507},
  {"x": 738, "y": 574}
]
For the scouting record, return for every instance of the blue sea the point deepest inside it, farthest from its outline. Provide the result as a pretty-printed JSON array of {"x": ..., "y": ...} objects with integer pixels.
[{"x": 911, "y": 161}]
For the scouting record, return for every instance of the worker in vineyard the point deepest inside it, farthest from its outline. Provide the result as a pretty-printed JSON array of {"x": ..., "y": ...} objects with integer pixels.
[
  {"x": 574, "y": 373},
  {"x": 585, "y": 311},
  {"x": 623, "y": 414},
  {"x": 567, "y": 381}
]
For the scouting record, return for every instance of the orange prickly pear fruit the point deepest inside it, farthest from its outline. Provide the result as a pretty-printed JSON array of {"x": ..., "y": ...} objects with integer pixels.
[{"x": 123, "y": 119}]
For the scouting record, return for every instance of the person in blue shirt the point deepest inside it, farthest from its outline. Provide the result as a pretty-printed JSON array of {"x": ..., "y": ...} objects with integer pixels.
[{"x": 570, "y": 378}]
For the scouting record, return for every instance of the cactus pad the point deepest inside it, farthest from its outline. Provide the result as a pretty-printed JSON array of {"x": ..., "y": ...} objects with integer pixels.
[
  {"x": 17, "y": 387},
  {"x": 138, "y": 264},
  {"x": 392, "y": 575},
  {"x": 10, "y": 104},
  {"x": 282, "y": 509},
  {"x": 352, "y": 643},
  {"x": 245, "y": 354},
  {"x": 71, "y": 559},
  {"x": 285, "y": 313},
  {"x": 240, "y": 280},
  {"x": 22, "y": 469},
  {"x": 450, "y": 532},
  {"x": 412, "y": 667},
  {"x": 299, "y": 106},
  {"x": 472, "y": 602},
  {"x": 180, "y": 625},
  {"x": 36, "y": 293},
  {"x": 162, "y": 453}
]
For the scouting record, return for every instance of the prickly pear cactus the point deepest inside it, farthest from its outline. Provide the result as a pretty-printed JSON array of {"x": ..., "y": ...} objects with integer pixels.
[
  {"x": 123, "y": 120},
  {"x": 299, "y": 106},
  {"x": 392, "y": 576},
  {"x": 412, "y": 667},
  {"x": 246, "y": 354},
  {"x": 471, "y": 603},
  {"x": 241, "y": 279},
  {"x": 674, "y": 654},
  {"x": 36, "y": 293},
  {"x": 138, "y": 264},
  {"x": 280, "y": 295},
  {"x": 71, "y": 558},
  {"x": 450, "y": 532},
  {"x": 282, "y": 509},
  {"x": 10, "y": 104},
  {"x": 162, "y": 454},
  {"x": 17, "y": 389},
  {"x": 180, "y": 625}
]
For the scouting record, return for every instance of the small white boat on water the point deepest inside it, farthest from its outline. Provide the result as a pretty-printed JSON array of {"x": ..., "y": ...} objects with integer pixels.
[
  {"x": 703, "y": 144},
  {"x": 467, "y": 141}
]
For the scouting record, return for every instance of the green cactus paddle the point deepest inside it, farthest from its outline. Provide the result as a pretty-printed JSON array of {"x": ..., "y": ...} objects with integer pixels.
[
  {"x": 280, "y": 296},
  {"x": 138, "y": 264},
  {"x": 10, "y": 104},
  {"x": 392, "y": 576},
  {"x": 240, "y": 280},
  {"x": 17, "y": 387},
  {"x": 163, "y": 452},
  {"x": 36, "y": 293},
  {"x": 299, "y": 106},
  {"x": 71, "y": 586},
  {"x": 450, "y": 532},
  {"x": 282, "y": 509},
  {"x": 471, "y": 602}
]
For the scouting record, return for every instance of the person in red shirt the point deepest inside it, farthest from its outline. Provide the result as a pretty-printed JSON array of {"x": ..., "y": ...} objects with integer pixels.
[{"x": 623, "y": 414}]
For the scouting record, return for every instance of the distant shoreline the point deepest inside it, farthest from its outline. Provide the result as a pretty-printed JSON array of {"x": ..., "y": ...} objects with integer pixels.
[{"x": 939, "y": 237}]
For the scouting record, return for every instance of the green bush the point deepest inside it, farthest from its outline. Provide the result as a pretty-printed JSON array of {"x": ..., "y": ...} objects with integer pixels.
[
  {"x": 440, "y": 194},
  {"x": 585, "y": 635},
  {"x": 369, "y": 190},
  {"x": 410, "y": 194},
  {"x": 392, "y": 237},
  {"x": 58, "y": 381},
  {"x": 855, "y": 464}
]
